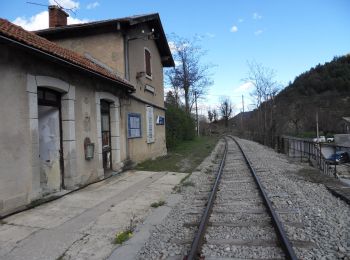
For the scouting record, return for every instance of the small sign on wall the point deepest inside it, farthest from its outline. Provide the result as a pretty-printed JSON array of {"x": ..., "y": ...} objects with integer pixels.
[{"x": 160, "y": 120}]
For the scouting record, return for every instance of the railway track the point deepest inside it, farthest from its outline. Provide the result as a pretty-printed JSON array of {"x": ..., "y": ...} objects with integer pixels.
[
  {"x": 239, "y": 219},
  {"x": 238, "y": 225}
]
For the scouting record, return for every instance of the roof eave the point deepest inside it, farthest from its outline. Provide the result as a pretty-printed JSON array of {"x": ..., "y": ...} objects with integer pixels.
[
  {"x": 162, "y": 42},
  {"x": 128, "y": 87}
]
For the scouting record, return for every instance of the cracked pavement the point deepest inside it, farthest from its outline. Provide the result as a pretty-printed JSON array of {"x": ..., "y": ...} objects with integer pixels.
[{"x": 83, "y": 224}]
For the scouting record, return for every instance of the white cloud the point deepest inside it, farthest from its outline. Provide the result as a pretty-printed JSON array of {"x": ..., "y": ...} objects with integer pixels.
[
  {"x": 36, "y": 22},
  {"x": 210, "y": 35},
  {"x": 240, "y": 20},
  {"x": 257, "y": 16},
  {"x": 246, "y": 86},
  {"x": 68, "y": 4},
  {"x": 72, "y": 20},
  {"x": 41, "y": 21},
  {"x": 172, "y": 47},
  {"x": 234, "y": 29},
  {"x": 258, "y": 32},
  {"x": 92, "y": 5}
]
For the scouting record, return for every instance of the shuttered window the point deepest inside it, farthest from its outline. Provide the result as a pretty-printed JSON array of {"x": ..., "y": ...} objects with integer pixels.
[
  {"x": 150, "y": 124},
  {"x": 134, "y": 125},
  {"x": 148, "y": 67}
]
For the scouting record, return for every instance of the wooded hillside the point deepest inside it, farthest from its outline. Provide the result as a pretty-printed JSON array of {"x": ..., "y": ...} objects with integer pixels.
[{"x": 323, "y": 90}]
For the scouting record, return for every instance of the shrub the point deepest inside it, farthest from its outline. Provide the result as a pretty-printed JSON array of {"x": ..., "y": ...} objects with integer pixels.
[
  {"x": 157, "y": 204},
  {"x": 180, "y": 126},
  {"x": 122, "y": 236}
]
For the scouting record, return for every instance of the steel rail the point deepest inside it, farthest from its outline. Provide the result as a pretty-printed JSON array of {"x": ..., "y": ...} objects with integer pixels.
[
  {"x": 285, "y": 243},
  {"x": 197, "y": 242}
]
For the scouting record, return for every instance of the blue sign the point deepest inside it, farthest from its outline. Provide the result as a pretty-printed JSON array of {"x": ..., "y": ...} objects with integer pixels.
[{"x": 160, "y": 120}]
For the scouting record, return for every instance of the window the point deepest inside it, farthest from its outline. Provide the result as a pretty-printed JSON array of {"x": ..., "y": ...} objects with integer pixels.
[
  {"x": 150, "y": 124},
  {"x": 134, "y": 125},
  {"x": 148, "y": 66},
  {"x": 48, "y": 97}
]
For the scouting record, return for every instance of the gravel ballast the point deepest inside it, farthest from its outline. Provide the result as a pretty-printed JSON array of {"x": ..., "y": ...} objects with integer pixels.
[
  {"x": 326, "y": 219},
  {"x": 322, "y": 219}
]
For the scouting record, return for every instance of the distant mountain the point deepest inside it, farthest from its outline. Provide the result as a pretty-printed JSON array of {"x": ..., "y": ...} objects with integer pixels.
[
  {"x": 323, "y": 90},
  {"x": 332, "y": 77}
]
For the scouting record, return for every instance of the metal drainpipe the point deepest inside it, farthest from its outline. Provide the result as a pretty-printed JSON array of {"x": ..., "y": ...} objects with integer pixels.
[
  {"x": 127, "y": 77},
  {"x": 126, "y": 56}
]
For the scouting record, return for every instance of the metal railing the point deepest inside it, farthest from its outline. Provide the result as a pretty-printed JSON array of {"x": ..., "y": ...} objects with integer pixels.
[{"x": 316, "y": 153}]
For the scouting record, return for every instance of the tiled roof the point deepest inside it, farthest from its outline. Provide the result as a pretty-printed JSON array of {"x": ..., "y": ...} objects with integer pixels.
[
  {"x": 17, "y": 33},
  {"x": 153, "y": 20},
  {"x": 128, "y": 19}
]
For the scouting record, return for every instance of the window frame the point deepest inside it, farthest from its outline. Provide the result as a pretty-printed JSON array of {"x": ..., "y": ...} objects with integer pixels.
[
  {"x": 149, "y": 76},
  {"x": 44, "y": 101},
  {"x": 138, "y": 115}
]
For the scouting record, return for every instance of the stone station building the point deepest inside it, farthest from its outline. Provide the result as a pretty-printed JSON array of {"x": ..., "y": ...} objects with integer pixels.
[{"x": 78, "y": 102}]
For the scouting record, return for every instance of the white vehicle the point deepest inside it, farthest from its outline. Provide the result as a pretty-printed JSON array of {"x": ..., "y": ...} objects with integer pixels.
[
  {"x": 320, "y": 139},
  {"x": 330, "y": 139}
]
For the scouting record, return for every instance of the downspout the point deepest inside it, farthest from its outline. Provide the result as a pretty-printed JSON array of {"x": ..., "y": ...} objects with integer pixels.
[
  {"x": 126, "y": 56},
  {"x": 127, "y": 77}
]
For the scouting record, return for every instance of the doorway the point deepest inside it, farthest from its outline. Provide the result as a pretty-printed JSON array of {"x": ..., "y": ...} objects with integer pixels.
[
  {"x": 50, "y": 144},
  {"x": 106, "y": 137}
]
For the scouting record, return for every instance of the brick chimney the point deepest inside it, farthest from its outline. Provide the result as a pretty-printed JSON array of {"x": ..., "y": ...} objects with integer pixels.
[{"x": 57, "y": 17}]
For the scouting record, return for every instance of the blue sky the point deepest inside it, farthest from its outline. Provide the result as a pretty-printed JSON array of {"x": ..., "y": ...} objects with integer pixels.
[{"x": 289, "y": 36}]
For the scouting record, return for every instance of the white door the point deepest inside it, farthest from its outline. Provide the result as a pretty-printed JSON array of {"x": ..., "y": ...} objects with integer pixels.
[{"x": 49, "y": 148}]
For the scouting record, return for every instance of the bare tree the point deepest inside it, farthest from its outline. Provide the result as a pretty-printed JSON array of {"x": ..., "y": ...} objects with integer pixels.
[
  {"x": 265, "y": 89},
  {"x": 210, "y": 115},
  {"x": 189, "y": 77},
  {"x": 215, "y": 115},
  {"x": 295, "y": 116},
  {"x": 225, "y": 109},
  {"x": 262, "y": 78}
]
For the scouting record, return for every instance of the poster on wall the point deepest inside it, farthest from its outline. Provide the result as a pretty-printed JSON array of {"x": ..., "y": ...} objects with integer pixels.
[{"x": 160, "y": 120}]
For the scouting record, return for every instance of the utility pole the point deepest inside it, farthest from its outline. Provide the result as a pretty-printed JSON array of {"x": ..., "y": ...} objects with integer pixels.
[
  {"x": 242, "y": 112},
  {"x": 243, "y": 103},
  {"x": 318, "y": 138},
  {"x": 195, "y": 97}
]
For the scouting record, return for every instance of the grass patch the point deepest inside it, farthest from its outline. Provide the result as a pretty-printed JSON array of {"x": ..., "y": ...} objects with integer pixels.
[
  {"x": 185, "y": 157},
  {"x": 157, "y": 204},
  {"x": 123, "y": 236},
  {"x": 183, "y": 183},
  {"x": 185, "y": 178},
  {"x": 188, "y": 183}
]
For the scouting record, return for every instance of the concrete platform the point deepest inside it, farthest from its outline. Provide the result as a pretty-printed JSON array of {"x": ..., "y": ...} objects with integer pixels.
[{"x": 83, "y": 224}]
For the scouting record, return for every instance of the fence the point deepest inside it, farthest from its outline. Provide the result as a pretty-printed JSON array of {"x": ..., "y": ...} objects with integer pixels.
[{"x": 317, "y": 153}]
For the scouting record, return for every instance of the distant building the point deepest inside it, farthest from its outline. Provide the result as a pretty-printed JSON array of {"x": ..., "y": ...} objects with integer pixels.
[{"x": 77, "y": 102}]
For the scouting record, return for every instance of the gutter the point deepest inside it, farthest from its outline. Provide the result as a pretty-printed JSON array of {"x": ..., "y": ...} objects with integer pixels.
[{"x": 129, "y": 89}]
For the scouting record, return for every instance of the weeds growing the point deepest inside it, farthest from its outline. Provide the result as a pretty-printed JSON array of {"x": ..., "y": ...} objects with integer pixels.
[{"x": 157, "y": 204}]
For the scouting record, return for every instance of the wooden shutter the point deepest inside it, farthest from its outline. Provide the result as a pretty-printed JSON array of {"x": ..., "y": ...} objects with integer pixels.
[
  {"x": 150, "y": 124},
  {"x": 148, "y": 63}
]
